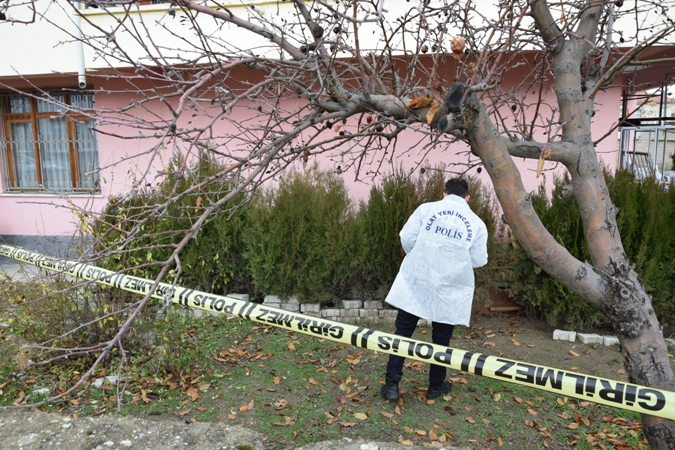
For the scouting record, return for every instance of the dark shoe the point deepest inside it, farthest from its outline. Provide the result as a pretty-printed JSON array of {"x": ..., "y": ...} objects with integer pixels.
[
  {"x": 436, "y": 391},
  {"x": 390, "y": 390}
]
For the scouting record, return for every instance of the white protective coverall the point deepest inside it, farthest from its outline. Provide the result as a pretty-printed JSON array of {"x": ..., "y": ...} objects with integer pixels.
[{"x": 443, "y": 241}]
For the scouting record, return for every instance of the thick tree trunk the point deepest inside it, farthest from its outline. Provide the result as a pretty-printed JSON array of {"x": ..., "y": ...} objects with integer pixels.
[
  {"x": 612, "y": 287},
  {"x": 610, "y": 283}
]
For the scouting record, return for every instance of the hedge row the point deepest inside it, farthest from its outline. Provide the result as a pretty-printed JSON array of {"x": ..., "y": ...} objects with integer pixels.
[
  {"x": 306, "y": 237},
  {"x": 646, "y": 221}
]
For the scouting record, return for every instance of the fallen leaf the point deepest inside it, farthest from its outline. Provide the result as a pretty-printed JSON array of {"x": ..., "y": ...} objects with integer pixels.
[
  {"x": 421, "y": 432},
  {"x": 622, "y": 371},
  {"x": 573, "y": 353},
  {"x": 516, "y": 343},
  {"x": 387, "y": 414},
  {"x": 291, "y": 346},
  {"x": 200, "y": 408},
  {"x": 281, "y": 404},
  {"x": 404, "y": 441},
  {"x": 420, "y": 102},
  {"x": 500, "y": 442},
  {"x": 450, "y": 410},
  {"x": 470, "y": 419},
  {"x": 496, "y": 397},
  {"x": 573, "y": 426},
  {"x": 532, "y": 411},
  {"x": 518, "y": 400},
  {"x": 486, "y": 422},
  {"x": 433, "y": 436},
  {"x": 184, "y": 412},
  {"x": 361, "y": 416},
  {"x": 193, "y": 392},
  {"x": 581, "y": 421},
  {"x": 231, "y": 416},
  {"x": 276, "y": 380},
  {"x": 347, "y": 424}
]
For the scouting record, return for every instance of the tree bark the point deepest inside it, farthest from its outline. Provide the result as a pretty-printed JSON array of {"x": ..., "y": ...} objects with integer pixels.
[{"x": 610, "y": 282}]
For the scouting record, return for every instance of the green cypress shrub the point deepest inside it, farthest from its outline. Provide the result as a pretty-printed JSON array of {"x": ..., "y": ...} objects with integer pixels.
[
  {"x": 300, "y": 239},
  {"x": 645, "y": 221},
  {"x": 380, "y": 221},
  {"x": 213, "y": 261},
  {"x": 533, "y": 287}
]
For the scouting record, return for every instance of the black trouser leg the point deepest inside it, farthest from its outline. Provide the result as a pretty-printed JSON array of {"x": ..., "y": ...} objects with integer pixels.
[
  {"x": 440, "y": 334},
  {"x": 405, "y": 326}
]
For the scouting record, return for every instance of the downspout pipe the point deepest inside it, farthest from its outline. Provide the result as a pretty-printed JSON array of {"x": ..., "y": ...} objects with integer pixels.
[{"x": 79, "y": 49}]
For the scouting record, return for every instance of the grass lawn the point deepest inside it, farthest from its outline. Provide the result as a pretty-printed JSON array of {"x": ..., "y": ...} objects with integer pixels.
[{"x": 295, "y": 389}]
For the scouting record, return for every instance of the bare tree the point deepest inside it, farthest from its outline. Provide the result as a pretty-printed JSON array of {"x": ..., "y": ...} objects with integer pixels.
[{"x": 259, "y": 88}]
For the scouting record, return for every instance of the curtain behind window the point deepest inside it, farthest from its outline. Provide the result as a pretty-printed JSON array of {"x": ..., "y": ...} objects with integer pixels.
[
  {"x": 53, "y": 143},
  {"x": 87, "y": 154},
  {"x": 21, "y": 140}
]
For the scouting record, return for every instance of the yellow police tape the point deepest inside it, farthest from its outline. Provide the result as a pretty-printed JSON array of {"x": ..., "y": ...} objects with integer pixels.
[{"x": 618, "y": 394}]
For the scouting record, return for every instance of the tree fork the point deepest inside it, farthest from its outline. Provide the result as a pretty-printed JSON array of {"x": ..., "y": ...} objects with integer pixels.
[{"x": 642, "y": 342}]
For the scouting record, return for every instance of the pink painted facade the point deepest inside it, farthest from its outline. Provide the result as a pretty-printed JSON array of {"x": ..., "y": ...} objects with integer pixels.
[
  {"x": 44, "y": 214},
  {"x": 47, "y": 55},
  {"x": 126, "y": 161}
]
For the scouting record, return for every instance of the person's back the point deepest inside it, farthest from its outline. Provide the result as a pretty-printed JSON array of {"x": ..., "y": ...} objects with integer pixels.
[{"x": 444, "y": 241}]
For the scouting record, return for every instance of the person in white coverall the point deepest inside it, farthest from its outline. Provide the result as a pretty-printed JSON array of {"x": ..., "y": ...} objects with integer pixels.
[{"x": 444, "y": 241}]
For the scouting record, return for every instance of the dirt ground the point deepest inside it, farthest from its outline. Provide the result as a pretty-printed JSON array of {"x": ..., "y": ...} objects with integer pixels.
[
  {"x": 27, "y": 430},
  {"x": 518, "y": 337}
]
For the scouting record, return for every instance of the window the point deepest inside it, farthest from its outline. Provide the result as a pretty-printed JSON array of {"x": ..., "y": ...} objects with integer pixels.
[{"x": 48, "y": 147}]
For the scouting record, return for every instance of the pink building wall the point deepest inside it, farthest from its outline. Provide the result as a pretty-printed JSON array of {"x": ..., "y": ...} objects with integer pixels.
[{"x": 124, "y": 160}]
